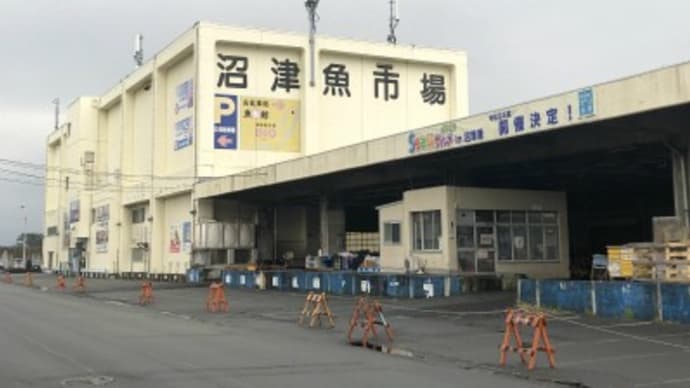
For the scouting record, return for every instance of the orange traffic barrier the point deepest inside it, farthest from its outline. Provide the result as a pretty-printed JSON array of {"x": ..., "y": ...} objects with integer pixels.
[
  {"x": 216, "y": 302},
  {"x": 79, "y": 284},
  {"x": 7, "y": 278},
  {"x": 366, "y": 315},
  {"x": 29, "y": 280},
  {"x": 528, "y": 354},
  {"x": 61, "y": 282},
  {"x": 316, "y": 307},
  {"x": 146, "y": 296}
]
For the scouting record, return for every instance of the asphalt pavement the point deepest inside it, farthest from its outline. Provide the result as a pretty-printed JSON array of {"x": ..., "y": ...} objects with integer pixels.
[{"x": 51, "y": 338}]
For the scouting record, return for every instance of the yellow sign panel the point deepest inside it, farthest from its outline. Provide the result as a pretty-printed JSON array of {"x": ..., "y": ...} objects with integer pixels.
[{"x": 269, "y": 124}]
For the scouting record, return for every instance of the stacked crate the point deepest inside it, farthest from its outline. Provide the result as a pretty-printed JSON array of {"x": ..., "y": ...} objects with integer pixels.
[
  {"x": 645, "y": 258},
  {"x": 676, "y": 266},
  {"x": 620, "y": 261}
]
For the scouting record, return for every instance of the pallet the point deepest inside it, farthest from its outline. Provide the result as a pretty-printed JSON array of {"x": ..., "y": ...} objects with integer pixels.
[{"x": 676, "y": 252}]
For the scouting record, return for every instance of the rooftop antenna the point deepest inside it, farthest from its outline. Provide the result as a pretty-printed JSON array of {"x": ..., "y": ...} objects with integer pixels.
[
  {"x": 56, "y": 102},
  {"x": 313, "y": 18},
  {"x": 139, "y": 50},
  {"x": 393, "y": 21}
]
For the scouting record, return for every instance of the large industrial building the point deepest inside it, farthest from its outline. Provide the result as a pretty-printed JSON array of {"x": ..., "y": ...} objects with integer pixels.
[
  {"x": 220, "y": 101},
  {"x": 230, "y": 148}
]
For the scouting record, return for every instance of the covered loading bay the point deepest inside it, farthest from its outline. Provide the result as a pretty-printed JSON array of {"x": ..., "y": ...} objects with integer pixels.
[{"x": 617, "y": 174}]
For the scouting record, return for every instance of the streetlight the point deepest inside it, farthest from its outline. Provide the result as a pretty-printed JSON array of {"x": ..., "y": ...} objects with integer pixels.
[{"x": 24, "y": 236}]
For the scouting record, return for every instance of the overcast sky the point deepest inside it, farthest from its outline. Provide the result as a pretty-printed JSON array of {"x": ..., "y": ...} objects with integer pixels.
[{"x": 518, "y": 50}]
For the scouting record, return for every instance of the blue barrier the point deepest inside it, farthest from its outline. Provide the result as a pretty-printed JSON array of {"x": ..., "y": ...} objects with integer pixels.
[
  {"x": 567, "y": 295},
  {"x": 193, "y": 275},
  {"x": 398, "y": 286},
  {"x": 626, "y": 300},
  {"x": 427, "y": 286},
  {"x": 528, "y": 291},
  {"x": 455, "y": 286},
  {"x": 675, "y": 302},
  {"x": 313, "y": 282},
  {"x": 341, "y": 283}
]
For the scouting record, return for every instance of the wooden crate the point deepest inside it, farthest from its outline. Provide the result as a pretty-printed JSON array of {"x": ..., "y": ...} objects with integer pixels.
[{"x": 676, "y": 252}]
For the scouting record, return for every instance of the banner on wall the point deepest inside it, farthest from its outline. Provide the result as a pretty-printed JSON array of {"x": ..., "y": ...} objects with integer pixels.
[
  {"x": 184, "y": 130},
  {"x": 102, "y": 237},
  {"x": 186, "y": 236},
  {"x": 225, "y": 122},
  {"x": 269, "y": 124},
  {"x": 175, "y": 241},
  {"x": 184, "y": 96}
]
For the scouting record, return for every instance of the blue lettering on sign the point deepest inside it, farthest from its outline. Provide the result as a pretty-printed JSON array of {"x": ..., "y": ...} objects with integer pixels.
[
  {"x": 519, "y": 123},
  {"x": 535, "y": 120},
  {"x": 586, "y": 101},
  {"x": 500, "y": 115},
  {"x": 503, "y": 127},
  {"x": 552, "y": 116}
]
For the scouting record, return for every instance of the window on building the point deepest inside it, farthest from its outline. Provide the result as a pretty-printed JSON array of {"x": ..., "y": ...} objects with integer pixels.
[
  {"x": 426, "y": 230},
  {"x": 52, "y": 231},
  {"x": 66, "y": 183},
  {"x": 138, "y": 215},
  {"x": 391, "y": 232},
  {"x": 519, "y": 235}
]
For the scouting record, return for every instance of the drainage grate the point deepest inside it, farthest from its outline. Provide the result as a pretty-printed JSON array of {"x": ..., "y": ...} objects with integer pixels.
[{"x": 87, "y": 381}]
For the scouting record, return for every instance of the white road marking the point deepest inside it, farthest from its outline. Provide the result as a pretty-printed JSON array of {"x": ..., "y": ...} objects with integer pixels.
[
  {"x": 664, "y": 382},
  {"x": 621, "y": 334},
  {"x": 616, "y": 358}
]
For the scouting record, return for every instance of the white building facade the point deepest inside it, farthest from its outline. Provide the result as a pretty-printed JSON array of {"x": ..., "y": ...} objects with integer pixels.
[{"x": 121, "y": 170}]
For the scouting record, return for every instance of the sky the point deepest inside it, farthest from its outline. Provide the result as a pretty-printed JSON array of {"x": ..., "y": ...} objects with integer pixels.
[{"x": 518, "y": 50}]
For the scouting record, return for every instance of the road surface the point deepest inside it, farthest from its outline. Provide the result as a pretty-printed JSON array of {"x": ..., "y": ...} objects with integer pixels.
[{"x": 52, "y": 340}]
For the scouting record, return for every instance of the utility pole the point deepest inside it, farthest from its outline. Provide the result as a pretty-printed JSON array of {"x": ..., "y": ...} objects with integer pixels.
[
  {"x": 393, "y": 21},
  {"x": 56, "y": 102},
  {"x": 24, "y": 236},
  {"x": 311, "y": 5}
]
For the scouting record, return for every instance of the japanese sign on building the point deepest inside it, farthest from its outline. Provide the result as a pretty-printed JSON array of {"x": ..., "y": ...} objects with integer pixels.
[
  {"x": 184, "y": 132},
  {"x": 184, "y": 96},
  {"x": 183, "y": 122},
  {"x": 175, "y": 239},
  {"x": 102, "y": 237},
  {"x": 359, "y": 96},
  {"x": 253, "y": 123},
  {"x": 225, "y": 122},
  {"x": 269, "y": 124},
  {"x": 186, "y": 236},
  {"x": 523, "y": 119}
]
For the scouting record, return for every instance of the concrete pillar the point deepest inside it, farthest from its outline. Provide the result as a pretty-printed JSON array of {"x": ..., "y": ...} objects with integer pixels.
[
  {"x": 679, "y": 164},
  {"x": 332, "y": 226}
]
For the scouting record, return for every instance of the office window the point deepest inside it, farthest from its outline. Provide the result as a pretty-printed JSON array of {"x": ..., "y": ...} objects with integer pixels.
[
  {"x": 391, "y": 232},
  {"x": 426, "y": 230},
  {"x": 519, "y": 235}
]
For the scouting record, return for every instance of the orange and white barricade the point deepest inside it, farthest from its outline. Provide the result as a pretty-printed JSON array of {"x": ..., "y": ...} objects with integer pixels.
[
  {"x": 540, "y": 338},
  {"x": 216, "y": 302},
  {"x": 61, "y": 282},
  {"x": 79, "y": 284},
  {"x": 29, "y": 279},
  {"x": 316, "y": 307},
  {"x": 146, "y": 296},
  {"x": 367, "y": 315}
]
